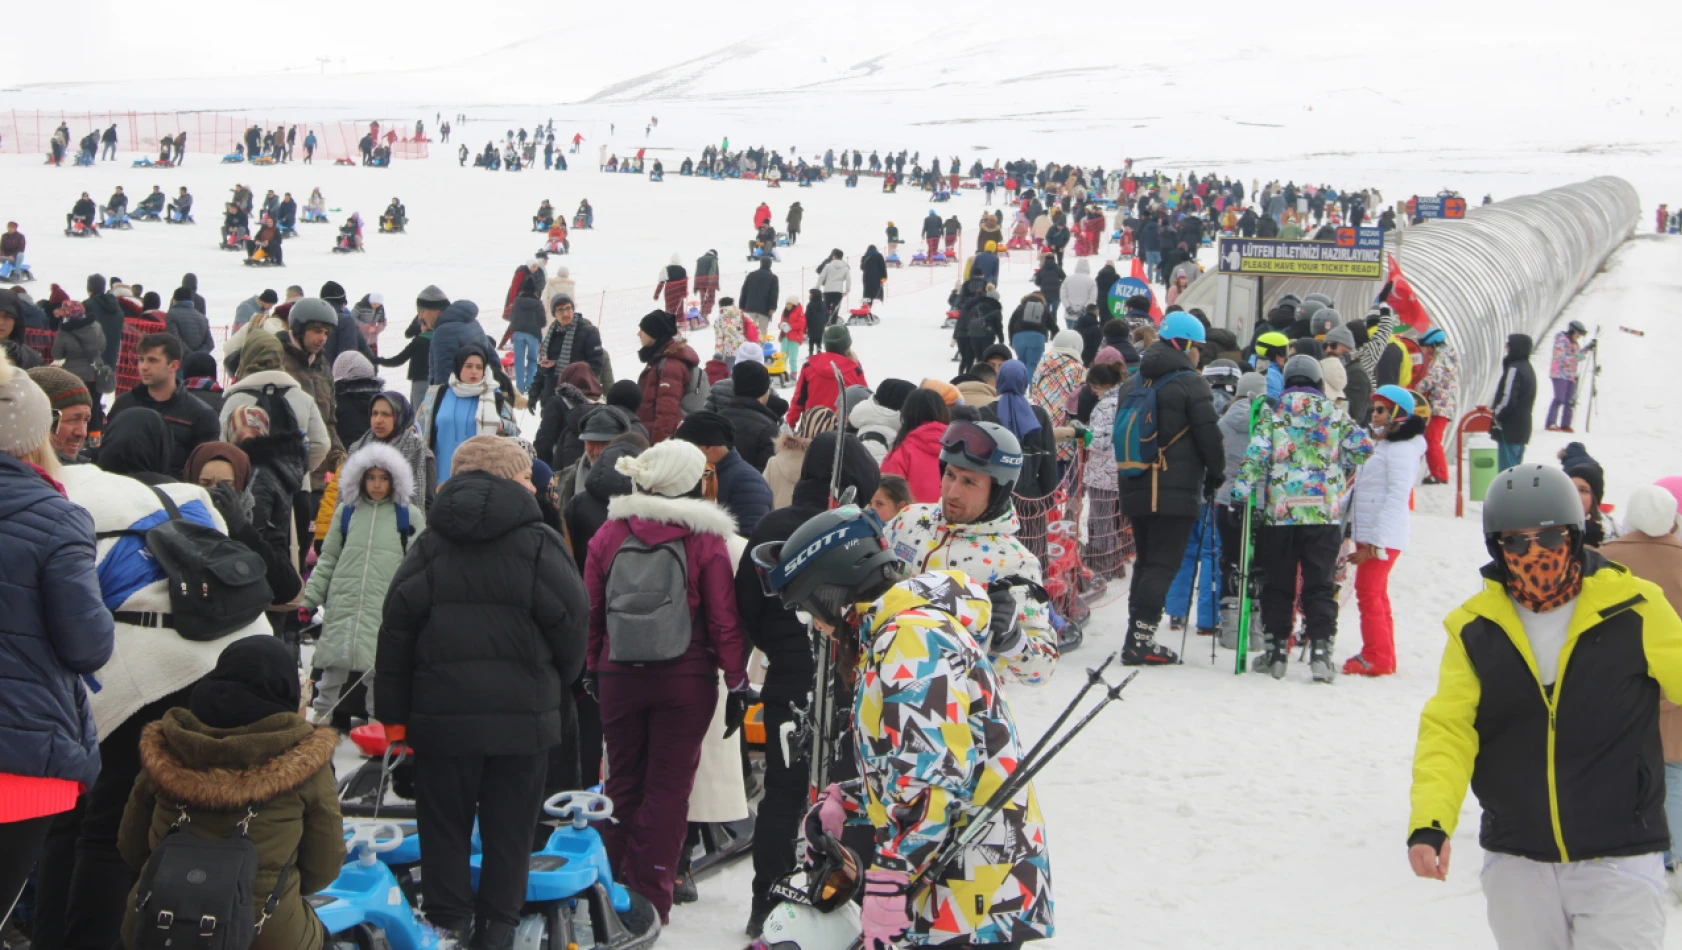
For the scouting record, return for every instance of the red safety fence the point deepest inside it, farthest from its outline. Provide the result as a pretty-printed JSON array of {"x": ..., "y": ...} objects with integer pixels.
[
  {"x": 128, "y": 364},
  {"x": 1080, "y": 539},
  {"x": 30, "y": 133}
]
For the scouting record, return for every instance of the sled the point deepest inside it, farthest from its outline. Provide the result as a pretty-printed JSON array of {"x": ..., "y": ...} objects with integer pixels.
[
  {"x": 893, "y": 260},
  {"x": 344, "y": 161}
]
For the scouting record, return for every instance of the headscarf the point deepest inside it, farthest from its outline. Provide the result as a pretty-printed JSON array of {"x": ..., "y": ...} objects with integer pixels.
[
  {"x": 1015, "y": 412},
  {"x": 400, "y": 408},
  {"x": 136, "y": 443},
  {"x": 583, "y": 378},
  {"x": 227, "y": 452},
  {"x": 262, "y": 352},
  {"x": 254, "y": 678}
]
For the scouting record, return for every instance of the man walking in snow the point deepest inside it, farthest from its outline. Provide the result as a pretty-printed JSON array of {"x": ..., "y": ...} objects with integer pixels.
[{"x": 1574, "y": 829}]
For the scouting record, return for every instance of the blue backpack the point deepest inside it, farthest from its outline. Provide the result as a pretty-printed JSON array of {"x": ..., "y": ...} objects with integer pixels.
[
  {"x": 1135, "y": 432},
  {"x": 404, "y": 531}
]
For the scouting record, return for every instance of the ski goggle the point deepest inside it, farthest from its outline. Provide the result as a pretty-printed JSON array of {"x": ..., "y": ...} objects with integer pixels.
[
  {"x": 836, "y": 879},
  {"x": 969, "y": 440},
  {"x": 1549, "y": 539}
]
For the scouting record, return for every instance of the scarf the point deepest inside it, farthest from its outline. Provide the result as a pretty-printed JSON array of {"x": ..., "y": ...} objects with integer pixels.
[
  {"x": 483, "y": 392},
  {"x": 1543, "y": 580},
  {"x": 1015, "y": 412},
  {"x": 568, "y": 338}
]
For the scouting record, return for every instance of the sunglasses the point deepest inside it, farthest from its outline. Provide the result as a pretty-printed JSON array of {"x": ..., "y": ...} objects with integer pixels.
[{"x": 1550, "y": 539}]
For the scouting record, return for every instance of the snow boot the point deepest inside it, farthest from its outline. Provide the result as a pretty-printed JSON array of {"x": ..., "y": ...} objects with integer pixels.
[
  {"x": 1320, "y": 661},
  {"x": 1142, "y": 649},
  {"x": 1273, "y": 660},
  {"x": 683, "y": 885},
  {"x": 1359, "y": 665}
]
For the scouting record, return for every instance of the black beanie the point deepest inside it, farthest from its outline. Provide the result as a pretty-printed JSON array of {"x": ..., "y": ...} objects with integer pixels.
[
  {"x": 255, "y": 678},
  {"x": 96, "y": 284},
  {"x": 706, "y": 428},
  {"x": 751, "y": 379},
  {"x": 625, "y": 394},
  {"x": 332, "y": 291},
  {"x": 269, "y": 296},
  {"x": 893, "y": 392},
  {"x": 658, "y": 324}
]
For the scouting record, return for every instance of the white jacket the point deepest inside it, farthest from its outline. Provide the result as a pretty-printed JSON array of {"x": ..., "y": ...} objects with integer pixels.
[
  {"x": 148, "y": 663},
  {"x": 1381, "y": 492},
  {"x": 558, "y": 285},
  {"x": 835, "y": 277},
  {"x": 1080, "y": 289},
  {"x": 877, "y": 427},
  {"x": 921, "y": 537},
  {"x": 304, "y": 409}
]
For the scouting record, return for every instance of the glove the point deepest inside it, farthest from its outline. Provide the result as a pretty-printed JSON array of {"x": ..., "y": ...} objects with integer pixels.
[
  {"x": 227, "y": 503},
  {"x": 887, "y": 914},
  {"x": 1004, "y": 633},
  {"x": 736, "y": 705},
  {"x": 1212, "y": 483},
  {"x": 825, "y": 817}
]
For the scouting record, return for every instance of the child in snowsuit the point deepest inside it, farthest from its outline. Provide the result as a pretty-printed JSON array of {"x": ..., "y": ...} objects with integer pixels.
[
  {"x": 366, "y": 541},
  {"x": 791, "y": 329}
]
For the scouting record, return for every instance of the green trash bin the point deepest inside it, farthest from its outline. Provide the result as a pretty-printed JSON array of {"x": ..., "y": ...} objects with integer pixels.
[{"x": 1484, "y": 470}]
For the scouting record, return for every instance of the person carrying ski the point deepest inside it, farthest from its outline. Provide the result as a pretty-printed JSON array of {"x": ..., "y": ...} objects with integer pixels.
[
  {"x": 1547, "y": 704},
  {"x": 1164, "y": 504},
  {"x": 926, "y": 768},
  {"x": 974, "y": 529},
  {"x": 1297, "y": 469},
  {"x": 1563, "y": 368}
]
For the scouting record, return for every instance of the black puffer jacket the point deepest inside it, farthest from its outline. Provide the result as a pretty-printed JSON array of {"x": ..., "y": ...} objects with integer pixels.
[
  {"x": 354, "y": 400},
  {"x": 774, "y": 628},
  {"x": 756, "y": 426},
  {"x": 104, "y": 308},
  {"x": 486, "y": 563},
  {"x": 1515, "y": 395},
  {"x": 280, "y": 468},
  {"x": 587, "y": 511},
  {"x": 1186, "y": 417}
]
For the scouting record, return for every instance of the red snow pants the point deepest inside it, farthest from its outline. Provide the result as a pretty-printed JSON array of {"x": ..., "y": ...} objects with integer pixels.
[
  {"x": 1372, "y": 595},
  {"x": 1435, "y": 431}
]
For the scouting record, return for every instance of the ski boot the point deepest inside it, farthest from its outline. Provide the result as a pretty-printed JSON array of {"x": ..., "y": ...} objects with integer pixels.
[
  {"x": 1272, "y": 660},
  {"x": 1176, "y": 624},
  {"x": 1320, "y": 661},
  {"x": 1359, "y": 665},
  {"x": 1142, "y": 649}
]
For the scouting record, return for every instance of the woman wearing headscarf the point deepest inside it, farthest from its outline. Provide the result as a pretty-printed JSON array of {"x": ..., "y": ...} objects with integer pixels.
[
  {"x": 470, "y": 404},
  {"x": 240, "y": 750},
  {"x": 1032, "y": 427},
  {"x": 873, "y": 270},
  {"x": 224, "y": 470}
]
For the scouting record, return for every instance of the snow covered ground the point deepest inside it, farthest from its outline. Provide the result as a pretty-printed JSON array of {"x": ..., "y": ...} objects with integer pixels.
[{"x": 1207, "y": 810}]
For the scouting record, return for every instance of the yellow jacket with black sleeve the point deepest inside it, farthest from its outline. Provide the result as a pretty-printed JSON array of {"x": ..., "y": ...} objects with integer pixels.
[{"x": 1567, "y": 774}]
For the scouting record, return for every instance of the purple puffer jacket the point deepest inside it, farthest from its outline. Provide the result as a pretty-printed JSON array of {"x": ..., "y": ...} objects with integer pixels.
[{"x": 719, "y": 643}]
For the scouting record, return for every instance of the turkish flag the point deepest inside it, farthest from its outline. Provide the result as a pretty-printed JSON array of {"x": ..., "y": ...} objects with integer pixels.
[{"x": 1402, "y": 299}]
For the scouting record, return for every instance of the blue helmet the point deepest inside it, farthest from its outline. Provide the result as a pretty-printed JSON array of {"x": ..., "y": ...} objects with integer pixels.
[
  {"x": 1397, "y": 396},
  {"x": 1181, "y": 325},
  {"x": 1433, "y": 337}
]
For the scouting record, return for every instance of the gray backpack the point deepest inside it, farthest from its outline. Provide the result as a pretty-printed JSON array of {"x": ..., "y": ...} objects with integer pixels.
[
  {"x": 648, "y": 618},
  {"x": 1033, "y": 315}
]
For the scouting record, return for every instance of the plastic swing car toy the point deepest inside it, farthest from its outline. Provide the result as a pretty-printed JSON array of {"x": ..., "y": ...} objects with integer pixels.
[{"x": 367, "y": 906}]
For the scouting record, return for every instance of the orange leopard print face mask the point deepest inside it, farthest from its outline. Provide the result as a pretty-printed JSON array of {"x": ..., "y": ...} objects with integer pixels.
[{"x": 1541, "y": 580}]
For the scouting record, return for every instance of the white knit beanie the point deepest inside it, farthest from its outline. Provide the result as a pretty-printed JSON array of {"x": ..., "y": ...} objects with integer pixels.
[
  {"x": 1068, "y": 341},
  {"x": 1651, "y": 510},
  {"x": 751, "y": 353},
  {"x": 673, "y": 468},
  {"x": 26, "y": 415}
]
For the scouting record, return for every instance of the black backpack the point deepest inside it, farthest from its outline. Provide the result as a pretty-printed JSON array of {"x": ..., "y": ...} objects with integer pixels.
[
  {"x": 198, "y": 892},
  {"x": 216, "y": 584},
  {"x": 272, "y": 400}
]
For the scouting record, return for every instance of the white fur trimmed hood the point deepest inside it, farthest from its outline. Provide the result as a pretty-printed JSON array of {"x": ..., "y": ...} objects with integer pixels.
[
  {"x": 698, "y": 515},
  {"x": 381, "y": 456}
]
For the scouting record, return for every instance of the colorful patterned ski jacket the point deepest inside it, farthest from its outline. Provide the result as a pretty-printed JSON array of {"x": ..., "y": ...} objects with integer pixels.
[
  {"x": 935, "y": 740},
  {"x": 1568, "y": 354},
  {"x": 985, "y": 550},
  {"x": 1300, "y": 460},
  {"x": 1441, "y": 386}
]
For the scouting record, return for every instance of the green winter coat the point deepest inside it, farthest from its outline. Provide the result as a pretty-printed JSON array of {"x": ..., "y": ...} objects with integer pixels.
[
  {"x": 356, "y": 567},
  {"x": 282, "y": 766}
]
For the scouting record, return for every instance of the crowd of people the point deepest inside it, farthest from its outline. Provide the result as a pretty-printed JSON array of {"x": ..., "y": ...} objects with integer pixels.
[{"x": 619, "y": 572}]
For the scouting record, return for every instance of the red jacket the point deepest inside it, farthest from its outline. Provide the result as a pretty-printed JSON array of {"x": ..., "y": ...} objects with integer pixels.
[
  {"x": 796, "y": 320},
  {"x": 762, "y": 217},
  {"x": 663, "y": 382},
  {"x": 917, "y": 460},
  {"x": 816, "y": 386}
]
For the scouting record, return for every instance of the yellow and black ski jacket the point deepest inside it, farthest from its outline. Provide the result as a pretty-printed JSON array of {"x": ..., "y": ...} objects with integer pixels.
[{"x": 1566, "y": 774}]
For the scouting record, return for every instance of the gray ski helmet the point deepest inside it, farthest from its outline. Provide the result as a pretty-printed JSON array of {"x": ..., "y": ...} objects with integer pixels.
[
  {"x": 1222, "y": 374},
  {"x": 842, "y": 548},
  {"x": 1251, "y": 384},
  {"x": 1531, "y": 495},
  {"x": 1303, "y": 366},
  {"x": 1309, "y": 308},
  {"x": 998, "y": 455},
  {"x": 1320, "y": 297},
  {"x": 1576, "y": 326},
  {"x": 1323, "y": 321}
]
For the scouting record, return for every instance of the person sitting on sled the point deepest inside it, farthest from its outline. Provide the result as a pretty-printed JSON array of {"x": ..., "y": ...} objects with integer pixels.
[
  {"x": 585, "y": 214},
  {"x": 265, "y": 245},
  {"x": 395, "y": 216},
  {"x": 315, "y": 209},
  {"x": 236, "y": 224},
  {"x": 926, "y": 768},
  {"x": 544, "y": 217},
  {"x": 558, "y": 243},
  {"x": 83, "y": 210},
  {"x": 182, "y": 207},
  {"x": 350, "y": 234}
]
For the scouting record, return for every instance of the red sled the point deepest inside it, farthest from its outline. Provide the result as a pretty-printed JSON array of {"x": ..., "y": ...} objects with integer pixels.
[
  {"x": 343, "y": 161},
  {"x": 371, "y": 740},
  {"x": 1017, "y": 244}
]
